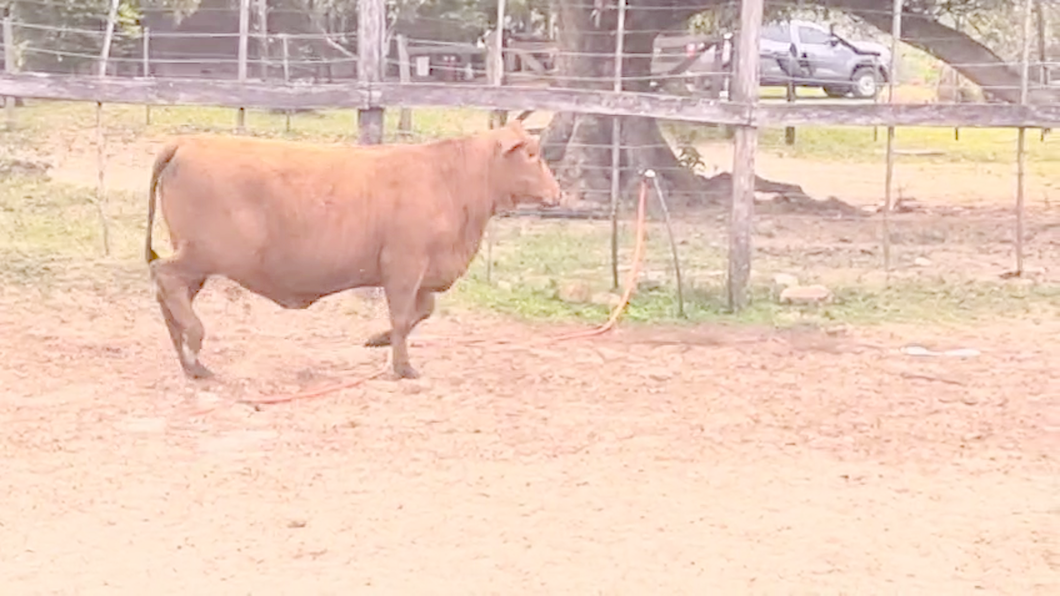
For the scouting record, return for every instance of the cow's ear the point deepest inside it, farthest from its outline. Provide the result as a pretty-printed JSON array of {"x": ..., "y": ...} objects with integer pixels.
[{"x": 510, "y": 141}]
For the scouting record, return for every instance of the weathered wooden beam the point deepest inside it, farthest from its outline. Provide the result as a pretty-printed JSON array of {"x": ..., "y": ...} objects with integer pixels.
[
  {"x": 616, "y": 141},
  {"x": 495, "y": 63},
  {"x": 745, "y": 146},
  {"x": 263, "y": 38},
  {"x": 1021, "y": 140},
  {"x": 371, "y": 59},
  {"x": 405, "y": 74},
  {"x": 888, "y": 177},
  {"x": 241, "y": 72},
  {"x": 447, "y": 50},
  {"x": 607, "y": 103},
  {"x": 222, "y": 93},
  {"x": 232, "y": 94},
  {"x": 10, "y": 67},
  {"x": 532, "y": 63},
  {"x": 942, "y": 115}
]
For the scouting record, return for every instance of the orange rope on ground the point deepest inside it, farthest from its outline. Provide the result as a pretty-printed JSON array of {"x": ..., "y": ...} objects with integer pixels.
[
  {"x": 279, "y": 399},
  {"x": 631, "y": 281}
]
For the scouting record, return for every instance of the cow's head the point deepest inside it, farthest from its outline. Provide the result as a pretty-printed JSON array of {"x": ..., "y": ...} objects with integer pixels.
[{"x": 519, "y": 172}]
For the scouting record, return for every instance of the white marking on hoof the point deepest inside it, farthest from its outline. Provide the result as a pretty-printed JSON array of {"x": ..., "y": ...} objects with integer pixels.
[{"x": 186, "y": 353}]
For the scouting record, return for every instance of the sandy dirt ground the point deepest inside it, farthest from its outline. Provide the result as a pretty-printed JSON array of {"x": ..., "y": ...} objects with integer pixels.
[
  {"x": 651, "y": 461},
  {"x": 706, "y": 460}
]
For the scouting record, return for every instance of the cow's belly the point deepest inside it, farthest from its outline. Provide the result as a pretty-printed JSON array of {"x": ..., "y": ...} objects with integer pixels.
[
  {"x": 296, "y": 278},
  {"x": 444, "y": 271}
]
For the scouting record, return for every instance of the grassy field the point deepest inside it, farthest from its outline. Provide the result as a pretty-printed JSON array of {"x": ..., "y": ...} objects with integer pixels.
[{"x": 50, "y": 230}]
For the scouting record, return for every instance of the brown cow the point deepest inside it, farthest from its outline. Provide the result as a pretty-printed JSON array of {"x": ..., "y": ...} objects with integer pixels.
[{"x": 295, "y": 222}]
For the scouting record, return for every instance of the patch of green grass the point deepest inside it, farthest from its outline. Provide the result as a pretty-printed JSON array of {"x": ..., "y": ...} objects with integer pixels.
[
  {"x": 903, "y": 301},
  {"x": 51, "y": 238},
  {"x": 39, "y": 216},
  {"x": 531, "y": 263},
  {"x": 39, "y": 117}
]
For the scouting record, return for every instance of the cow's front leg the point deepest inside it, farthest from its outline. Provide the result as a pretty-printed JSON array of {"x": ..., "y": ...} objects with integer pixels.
[
  {"x": 401, "y": 300},
  {"x": 424, "y": 308}
]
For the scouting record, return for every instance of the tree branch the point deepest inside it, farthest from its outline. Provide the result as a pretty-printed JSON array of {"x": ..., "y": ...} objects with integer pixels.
[
  {"x": 318, "y": 24},
  {"x": 960, "y": 51}
]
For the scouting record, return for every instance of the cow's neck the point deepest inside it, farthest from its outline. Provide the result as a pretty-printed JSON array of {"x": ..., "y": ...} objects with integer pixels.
[
  {"x": 478, "y": 207},
  {"x": 478, "y": 215}
]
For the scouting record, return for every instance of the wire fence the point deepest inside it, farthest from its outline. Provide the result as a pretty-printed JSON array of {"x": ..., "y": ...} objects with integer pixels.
[
  {"x": 950, "y": 201},
  {"x": 806, "y": 53}
]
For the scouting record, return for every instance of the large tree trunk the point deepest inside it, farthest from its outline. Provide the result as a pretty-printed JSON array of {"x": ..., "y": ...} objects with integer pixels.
[{"x": 579, "y": 146}]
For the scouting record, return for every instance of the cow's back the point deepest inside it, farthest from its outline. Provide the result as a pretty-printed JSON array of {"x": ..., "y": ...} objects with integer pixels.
[{"x": 271, "y": 215}]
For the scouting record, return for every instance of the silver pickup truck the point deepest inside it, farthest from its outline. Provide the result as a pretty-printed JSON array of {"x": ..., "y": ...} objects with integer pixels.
[
  {"x": 815, "y": 57},
  {"x": 808, "y": 55}
]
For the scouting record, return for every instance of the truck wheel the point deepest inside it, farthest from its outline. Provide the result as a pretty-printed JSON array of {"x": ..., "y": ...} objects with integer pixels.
[{"x": 866, "y": 82}]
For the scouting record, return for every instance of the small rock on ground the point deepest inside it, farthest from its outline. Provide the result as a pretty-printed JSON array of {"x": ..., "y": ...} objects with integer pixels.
[
  {"x": 806, "y": 295},
  {"x": 574, "y": 291}
]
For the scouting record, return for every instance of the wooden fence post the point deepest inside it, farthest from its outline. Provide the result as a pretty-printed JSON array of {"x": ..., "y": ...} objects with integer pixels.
[
  {"x": 1021, "y": 140},
  {"x": 371, "y": 31},
  {"x": 147, "y": 69},
  {"x": 616, "y": 141},
  {"x": 244, "y": 25},
  {"x": 956, "y": 81},
  {"x": 1043, "y": 73},
  {"x": 789, "y": 131},
  {"x": 286, "y": 77},
  {"x": 405, "y": 71},
  {"x": 101, "y": 155},
  {"x": 495, "y": 63},
  {"x": 9, "y": 68},
  {"x": 263, "y": 38},
  {"x": 741, "y": 214},
  {"x": 888, "y": 193}
]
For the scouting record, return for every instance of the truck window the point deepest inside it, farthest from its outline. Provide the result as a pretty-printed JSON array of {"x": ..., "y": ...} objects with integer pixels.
[
  {"x": 809, "y": 35},
  {"x": 776, "y": 33}
]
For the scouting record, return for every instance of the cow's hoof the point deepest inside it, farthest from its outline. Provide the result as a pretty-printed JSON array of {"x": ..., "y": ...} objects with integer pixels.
[
  {"x": 197, "y": 371},
  {"x": 405, "y": 371},
  {"x": 379, "y": 340}
]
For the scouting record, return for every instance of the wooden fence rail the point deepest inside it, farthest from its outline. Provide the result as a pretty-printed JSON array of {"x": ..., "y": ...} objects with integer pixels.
[{"x": 257, "y": 94}]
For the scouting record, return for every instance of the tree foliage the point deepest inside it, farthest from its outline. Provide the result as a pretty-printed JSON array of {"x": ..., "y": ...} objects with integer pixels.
[{"x": 60, "y": 35}]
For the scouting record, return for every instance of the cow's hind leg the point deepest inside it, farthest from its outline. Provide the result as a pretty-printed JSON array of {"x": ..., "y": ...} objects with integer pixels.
[
  {"x": 176, "y": 288},
  {"x": 424, "y": 308},
  {"x": 403, "y": 300}
]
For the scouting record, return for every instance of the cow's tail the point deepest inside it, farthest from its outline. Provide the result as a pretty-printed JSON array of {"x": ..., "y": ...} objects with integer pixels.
[{"x": 161, "y": 162}]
